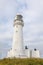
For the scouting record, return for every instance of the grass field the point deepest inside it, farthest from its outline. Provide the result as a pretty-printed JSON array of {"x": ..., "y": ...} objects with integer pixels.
[{"x": 26, "y": 61}]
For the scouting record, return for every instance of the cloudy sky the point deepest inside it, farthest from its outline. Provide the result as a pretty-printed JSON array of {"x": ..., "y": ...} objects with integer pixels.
[{"x": 32, "y": 11}]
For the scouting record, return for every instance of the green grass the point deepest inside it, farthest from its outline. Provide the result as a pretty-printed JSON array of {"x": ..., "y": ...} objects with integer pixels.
[{"x": 26, "y": 61}]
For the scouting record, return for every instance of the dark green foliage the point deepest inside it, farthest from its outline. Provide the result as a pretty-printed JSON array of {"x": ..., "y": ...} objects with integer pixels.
[{"x": 18, "y": 61}]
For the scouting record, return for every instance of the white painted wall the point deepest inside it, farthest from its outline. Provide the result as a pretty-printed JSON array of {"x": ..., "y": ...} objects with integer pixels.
[
  {"x": 17, "y": 45},
  {"x": 35, "y": 54},
  {"x": 27, "y": 53}
]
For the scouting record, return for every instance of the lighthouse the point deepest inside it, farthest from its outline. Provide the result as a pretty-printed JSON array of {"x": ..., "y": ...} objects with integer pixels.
[
  {"x": 17, "y": 45},
  {"x": 17, "y": 49}
]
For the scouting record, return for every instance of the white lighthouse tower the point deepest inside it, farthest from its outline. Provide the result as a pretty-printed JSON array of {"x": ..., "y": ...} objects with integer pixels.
[
  {"x": 18, "y": 50},
  {"x": 17, "y": 46}
]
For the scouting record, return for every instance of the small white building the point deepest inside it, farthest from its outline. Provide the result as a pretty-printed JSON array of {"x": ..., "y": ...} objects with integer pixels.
[
  {"x": 35, "y": 53},
  {"x": 18, "y": 50},
  {"x": 27, "y": 53}
]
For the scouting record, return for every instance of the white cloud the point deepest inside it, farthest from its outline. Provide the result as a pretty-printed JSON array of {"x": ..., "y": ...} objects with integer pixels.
[{"x": 7, "y": 8}]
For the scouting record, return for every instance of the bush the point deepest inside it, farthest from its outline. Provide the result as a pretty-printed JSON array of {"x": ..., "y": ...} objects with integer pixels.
[{"x": 18, "y": 61}]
